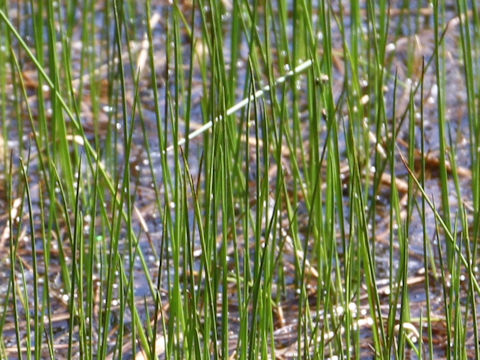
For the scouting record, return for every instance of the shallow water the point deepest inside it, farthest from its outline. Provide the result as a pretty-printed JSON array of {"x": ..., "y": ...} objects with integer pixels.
[{"x": 107, "y": 130}]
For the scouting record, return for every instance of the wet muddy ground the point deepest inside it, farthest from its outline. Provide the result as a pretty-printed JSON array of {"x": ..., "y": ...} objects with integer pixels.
[{"x": 408, "y": 36}]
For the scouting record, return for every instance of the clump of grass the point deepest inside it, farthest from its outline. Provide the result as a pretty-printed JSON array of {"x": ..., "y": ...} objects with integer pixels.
[{"x": 216, "y": 179}]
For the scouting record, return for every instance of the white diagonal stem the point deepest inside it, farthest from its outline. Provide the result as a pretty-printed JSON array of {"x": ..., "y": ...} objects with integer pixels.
[{"x": 240, "y": 105}]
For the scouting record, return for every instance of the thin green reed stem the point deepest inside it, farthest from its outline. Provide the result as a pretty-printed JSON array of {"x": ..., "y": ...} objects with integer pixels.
[
  {"x": 59, "y": 134},
  {"x": 128, "y": 128},
  {"x": 210, "y": 297},
  {"x": 36, "y": 309},
  {"x": 46, "y": 304},
  {"x": 424, "y": 230},
  {"x": 13, "y": 240},
  {"x": 394, "y": 219},
  {"x": 77, "y": 232},
  {"x": 438, "y": 9},
  {"x": 468, "y": 34},
  {"x": 24, "y": 299},
  {"x": 92, "y": 246},
  {"x": 471, "y": 294}
]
